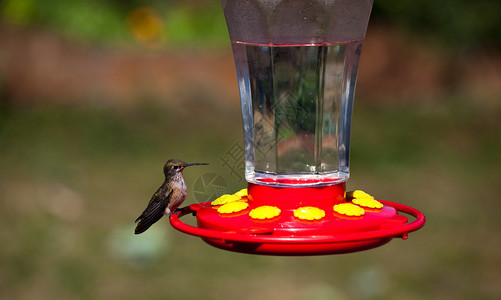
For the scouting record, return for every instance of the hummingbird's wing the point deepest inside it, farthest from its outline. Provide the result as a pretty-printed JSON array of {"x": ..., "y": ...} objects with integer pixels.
[{"x": 155, "y": 209}]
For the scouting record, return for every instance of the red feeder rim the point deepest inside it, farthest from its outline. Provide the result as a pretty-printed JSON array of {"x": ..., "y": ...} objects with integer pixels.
[{"x": 288, "y": 235}]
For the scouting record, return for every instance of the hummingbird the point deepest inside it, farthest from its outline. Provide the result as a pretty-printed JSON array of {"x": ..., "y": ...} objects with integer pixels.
[{"x": 168, "y": 197}]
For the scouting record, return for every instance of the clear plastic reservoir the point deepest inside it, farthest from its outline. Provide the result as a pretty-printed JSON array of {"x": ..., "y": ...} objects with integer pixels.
[{"x": 297, "y": 65}]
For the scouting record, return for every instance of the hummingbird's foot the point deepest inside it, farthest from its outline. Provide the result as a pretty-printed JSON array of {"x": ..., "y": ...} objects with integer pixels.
[{"x": 184, "y": 210}]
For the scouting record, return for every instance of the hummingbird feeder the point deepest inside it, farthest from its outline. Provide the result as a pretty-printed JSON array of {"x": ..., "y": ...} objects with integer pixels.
[{"x": 297, "y": 64}]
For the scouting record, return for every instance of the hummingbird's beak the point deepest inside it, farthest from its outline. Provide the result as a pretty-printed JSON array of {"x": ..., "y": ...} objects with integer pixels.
[{"x": 195, "y": 164}]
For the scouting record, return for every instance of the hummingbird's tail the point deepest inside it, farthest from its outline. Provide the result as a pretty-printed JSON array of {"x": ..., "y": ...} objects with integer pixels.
[
  {"x": 143, "y": 225},
  {"x": 146, "y": 219}
]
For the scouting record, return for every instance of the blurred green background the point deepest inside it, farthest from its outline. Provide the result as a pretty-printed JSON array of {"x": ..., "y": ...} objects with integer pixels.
[{"x": 96, "y": 95}]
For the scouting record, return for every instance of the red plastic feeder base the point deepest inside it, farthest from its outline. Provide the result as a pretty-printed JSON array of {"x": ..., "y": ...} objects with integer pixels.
[{"x": 286, "y": 234}]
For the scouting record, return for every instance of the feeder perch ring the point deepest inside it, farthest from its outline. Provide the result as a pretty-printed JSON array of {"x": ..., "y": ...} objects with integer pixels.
[{"x": 257, "y": 240}]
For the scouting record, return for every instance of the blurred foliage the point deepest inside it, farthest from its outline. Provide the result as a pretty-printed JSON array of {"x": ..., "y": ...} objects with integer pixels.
[
  {"x": 90, "y": 20},
  {"x": 108, "y": 21},
  {"x": 453, "y": 22},
  {"x": 200, "y": 22}
]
